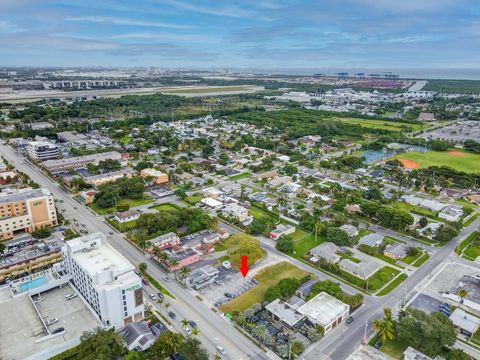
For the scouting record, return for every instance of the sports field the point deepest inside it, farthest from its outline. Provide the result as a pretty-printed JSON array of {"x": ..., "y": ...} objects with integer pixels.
[
  {"x": 382, "y": 124},
  {"x": 458, "y": 160}
]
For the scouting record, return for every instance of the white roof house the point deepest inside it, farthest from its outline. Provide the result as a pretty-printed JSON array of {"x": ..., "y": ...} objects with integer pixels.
[
  {"x": 325, "y": 310},
  {"x": 451, "y": 213},
  {"x": 465, "y": 321},
  {"x": 351, "y": 230},
  {"x": 373, "y": 239},
  {"x": 327, "y": 251},
  {"x": 211, "y": 202}
]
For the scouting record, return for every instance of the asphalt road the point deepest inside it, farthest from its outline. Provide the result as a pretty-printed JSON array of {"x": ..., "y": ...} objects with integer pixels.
[{"x": 213, "y": 329}]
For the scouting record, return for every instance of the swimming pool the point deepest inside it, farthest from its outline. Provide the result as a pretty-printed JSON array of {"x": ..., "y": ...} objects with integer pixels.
[{"x": 32, "y": 284}]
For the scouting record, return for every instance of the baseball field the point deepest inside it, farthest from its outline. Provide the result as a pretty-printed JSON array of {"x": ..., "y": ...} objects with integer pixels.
[{"x": 458, "y": 160}]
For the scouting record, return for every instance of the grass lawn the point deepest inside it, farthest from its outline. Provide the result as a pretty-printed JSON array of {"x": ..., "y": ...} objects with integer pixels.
[
  {"x": 410, "y": 259},
  {"x": 473, "y": 250},
  {"x": 165, "y": 207},
  {"x": 159, "y": 287},
  {"x": 239, "y": 176},
  {"x": 381, "y": 124},
  {"x": 472, "y": 219},
  {"x": 381, "y": 277},
  {"x": 206, "y": 90},
  {"x": 476, "y": 338},
  {"x": 414, "y": 209},
  {"x": 466, "y": 242},
  {"x": 397, "y": 281},
  {"x": 303, "y": 245},
  {"x": 258, "y": 213},
  {"x": 130, "y": 202},
  {"x": 224, "y": 258},
  {"x": 421, "y": 261},
  {"x": 269, "y": 276},
  {"x": 123, "y": 227},
  {"x": 193, "y": 199},
  {"x": 393, "y": 348},
  {"x": 467, "y": 163}
]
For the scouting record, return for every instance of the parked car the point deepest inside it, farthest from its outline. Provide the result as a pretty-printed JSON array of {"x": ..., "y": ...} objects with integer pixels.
[
  {"x": 153, "y": 296},
  {"x": 71, "y": 296},
  {"x": 228, "y": 295},
  {"x": 378, "y": 344},
  {"x": 187, "y": 330},
  {"x": 111, "y": 232},
  {"x": 38, "y": 299},
  {"x": 160, "y": 296},
  {"x": 51, "y": 321},
  {"x": 58, "y": 330},
  {"x": 172, "y": 314},
  {"x": 350, "y": 320},
  {"x": 192, "y": 324},
  {"x": 145, "y": 281},
  {"x": 220, "y": 349}
]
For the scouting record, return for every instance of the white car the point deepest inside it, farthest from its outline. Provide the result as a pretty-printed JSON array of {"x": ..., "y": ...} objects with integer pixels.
[
  {"x": 71, "y": 296},
  {"x": 153, "y": 296},
  {"x": 187, "y": 330},
  {"x": 51, "y": 321},
  {"x": 38, "y": 299},
  {"x": 220, "y": 349}
]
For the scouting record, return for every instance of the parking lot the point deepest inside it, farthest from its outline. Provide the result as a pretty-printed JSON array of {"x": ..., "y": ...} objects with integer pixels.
[
  {"x": 229, "y": 281},
  {"x": 22, "y": 328},
  {"x": 458, "y": 132},
  {"x": 426, "y": 303}
]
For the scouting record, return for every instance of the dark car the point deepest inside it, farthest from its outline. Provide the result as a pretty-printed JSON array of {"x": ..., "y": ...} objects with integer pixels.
[
  {"x": 160, "y": 295},
  {"x": 193, "y": 325},
  {"x": 378, "y": 344},
  {"x": 172, "y": 314},
  {"x": 350, "y": 320},
  {"x": 58, "y": 330},
  {"x": 228, "y": 295}
]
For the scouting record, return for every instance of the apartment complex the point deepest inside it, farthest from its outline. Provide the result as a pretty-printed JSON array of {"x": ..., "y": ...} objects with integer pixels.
[
  {"x": 158, "y": 176},
  {"x": 80, "y": 162},
  {"x": 26, "y": 210},
  {"x": 105, "y": 279},
  {"x": 42, "y": 150}
]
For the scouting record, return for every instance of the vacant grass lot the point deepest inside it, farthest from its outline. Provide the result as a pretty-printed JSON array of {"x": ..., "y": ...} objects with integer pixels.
[
  {"x": 467, "y": 163},
  {"x": 239, "y": 176},
  {"x": 398, "y": 280},
  {"x": 382, "y": 124},
  {"x": 381, "y": 277},
  {"x": 193, "y": 199},
  {"x": 130, "y": 202},
  {"x": 123, "y": 227},
  {"x": 410, "y": 259},
  {"x": 165, "y": 207},
  {"x": 267, "y": 277}
]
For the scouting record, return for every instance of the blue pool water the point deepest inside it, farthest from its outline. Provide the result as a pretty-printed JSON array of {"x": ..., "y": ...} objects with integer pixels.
[{"x": 42, "y": 280}]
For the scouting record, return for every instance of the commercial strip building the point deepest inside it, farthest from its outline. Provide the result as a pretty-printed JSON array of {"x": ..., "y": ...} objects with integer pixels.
[
  {"x": 26, "y": 210},
  {"x": 99, "y": 179},
  {"x": 42, "y": 150},
  {"x": 80, "y": 162},
  {"x": 105, "y": 279}
]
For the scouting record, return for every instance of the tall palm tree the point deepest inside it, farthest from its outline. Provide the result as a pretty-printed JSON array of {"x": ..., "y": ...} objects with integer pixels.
[
  {"x": 195, "y": 332},
  {"x": 184, "y": 272},
  {"x": 463, "y": 294},
  {"x": 184, "y": 322},
  {"x": 385, "y": 328}
]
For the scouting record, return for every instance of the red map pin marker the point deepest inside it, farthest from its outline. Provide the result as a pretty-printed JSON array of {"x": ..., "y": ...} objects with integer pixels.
[{"x": 244, "y": 268}]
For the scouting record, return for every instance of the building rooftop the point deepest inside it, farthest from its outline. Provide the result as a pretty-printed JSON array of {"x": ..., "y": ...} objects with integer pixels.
[
  {"x": 465, "y": 321},
  {"x": 23, "y": 194},
  {"x": 87, "y": 158},
  {"x": 324, "y": 308},
  {"x": 285, "y": 312},
  {"x": 95, "y": 256}
]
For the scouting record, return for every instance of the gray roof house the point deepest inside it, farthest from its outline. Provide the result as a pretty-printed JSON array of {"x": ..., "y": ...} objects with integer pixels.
[
  {"x": 396, "y": 251},
  {"x": 306, "y": 288},
  {"x": 137, "y": 335},
  {"x": 327, "y": 251},
  {"x": 363, "y": 269},
  {"x": 373, "y": 240}
]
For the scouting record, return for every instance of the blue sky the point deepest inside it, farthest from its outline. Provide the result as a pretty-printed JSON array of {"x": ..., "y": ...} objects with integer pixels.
[{"x": 257, "y": 34}]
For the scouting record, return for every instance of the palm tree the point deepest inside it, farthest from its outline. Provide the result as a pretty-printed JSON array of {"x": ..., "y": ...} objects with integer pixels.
[
  {"x": 195, "y": 332},
  {"x": 385, "y": 328},
  {"x": 167, "y": 305},
  {"x": 184, "y": 272},
  {"x": 463, "y": 294},
  {"x": 217, "y": 357},
  {"x": 184, "y": 322}
]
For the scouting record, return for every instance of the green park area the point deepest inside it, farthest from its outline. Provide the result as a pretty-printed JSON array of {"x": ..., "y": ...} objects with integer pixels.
[
  {"x": 267, "y": 277},
  {"x": 382, "y": 124},
  {"x": 458, "y": 160}
]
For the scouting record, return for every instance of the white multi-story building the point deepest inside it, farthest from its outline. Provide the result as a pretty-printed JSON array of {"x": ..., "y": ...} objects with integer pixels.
[
  {"x": 42, "y": 150},
  {"x": 105, "y": 279}
]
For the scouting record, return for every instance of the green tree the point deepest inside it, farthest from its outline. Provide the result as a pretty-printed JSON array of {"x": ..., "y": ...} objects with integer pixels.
[
  {"x": 135, "y": 355},
  {"x": 192, "y": 349},
  {"x": 166, "y": 344},
  {"x": 338, "y": 236},
  {"x": 142, "y": 267},
  {"x": 297, "y": 347},
  {"x": 100, "y": 344},
  {"x": 426, "y": 333},
  {"x": 285, "y": 244}
]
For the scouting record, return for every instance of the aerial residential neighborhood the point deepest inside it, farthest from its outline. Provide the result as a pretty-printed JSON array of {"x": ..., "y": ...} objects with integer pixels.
[{"x": 248, "y": 180}]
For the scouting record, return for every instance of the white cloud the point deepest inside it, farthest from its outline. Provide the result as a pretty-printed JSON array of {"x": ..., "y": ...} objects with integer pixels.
[{"x": 129, "y": 22}]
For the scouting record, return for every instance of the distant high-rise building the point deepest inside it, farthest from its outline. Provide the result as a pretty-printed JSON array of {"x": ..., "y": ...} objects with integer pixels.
[{"x": 105, "y": 279}]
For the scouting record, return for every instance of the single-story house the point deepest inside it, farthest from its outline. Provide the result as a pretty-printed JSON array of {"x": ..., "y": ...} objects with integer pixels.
[
  {"x": 237, "y": 211},
  {"x": 126, "y": 216},
  {"x": 451, "y": 213},
  {"x": 138, "y": 336},
  {"x": 211, "y": 202},
  {"x": 306, "y": 288},
  {"x": 396, "y": 251},
  {"x": 327, "y": 251},
  {"x": 425, "y": 116},
  {"x": 465, "y": 323},
  {"x": 351, "y": 230},
  {"x": 164, "y": 241},
  {"x": 363, "y": 270},
  {"x": 372, "y": 240},
  {"x": 281, "y": 230}
]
